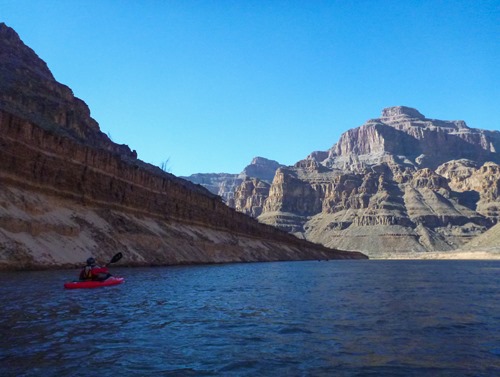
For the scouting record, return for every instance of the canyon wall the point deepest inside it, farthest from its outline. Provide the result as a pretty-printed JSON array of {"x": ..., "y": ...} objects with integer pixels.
[
  {"x": 68, "y": 192},
  {"x": 401, "y": 183}
]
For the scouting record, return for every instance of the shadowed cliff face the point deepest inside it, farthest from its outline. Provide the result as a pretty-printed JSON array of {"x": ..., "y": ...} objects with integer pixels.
[
  {"x": 29, "y": 91},
  {"x": 68, "y": 192},
  {"x": 397, "y": 184}
]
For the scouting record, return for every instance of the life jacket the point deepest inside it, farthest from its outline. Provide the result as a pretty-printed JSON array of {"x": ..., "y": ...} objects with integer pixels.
[{"x": 86, "y": 273}]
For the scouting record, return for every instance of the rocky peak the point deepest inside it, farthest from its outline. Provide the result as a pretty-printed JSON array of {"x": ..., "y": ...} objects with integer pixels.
[
  {"x": 260, "y": 161},
  {"x": 20, "y": 56},
  {"x": 401, "y": 112},
  {"x": 233, "y": 187},
  {"x": 261, "y": 168},
  {"x": 404, "y": 118},
  {"x": 405, "y": 134}
]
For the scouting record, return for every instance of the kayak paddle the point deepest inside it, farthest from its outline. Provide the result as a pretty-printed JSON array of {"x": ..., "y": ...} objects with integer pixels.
[{"x": 115, "y": 258}]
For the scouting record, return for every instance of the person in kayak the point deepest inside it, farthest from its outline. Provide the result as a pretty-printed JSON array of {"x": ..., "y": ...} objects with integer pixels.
[{"x": 92, "y": 271}]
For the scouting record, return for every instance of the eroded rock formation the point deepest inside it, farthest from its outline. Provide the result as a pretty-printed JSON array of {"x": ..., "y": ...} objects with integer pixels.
[
  {"x": 396, "y": 184},
  {"x": 68, "y": 192}
]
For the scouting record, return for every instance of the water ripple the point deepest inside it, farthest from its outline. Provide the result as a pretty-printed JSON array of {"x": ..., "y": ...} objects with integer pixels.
[{"x": 391, "y": 318}]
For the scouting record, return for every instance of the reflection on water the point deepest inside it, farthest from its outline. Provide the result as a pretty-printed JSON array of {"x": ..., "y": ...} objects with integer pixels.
[{"x": 401, "y": 318}]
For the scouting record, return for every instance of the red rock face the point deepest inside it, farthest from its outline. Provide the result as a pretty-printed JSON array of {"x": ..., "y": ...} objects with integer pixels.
[{"x": 49, "y": 145}]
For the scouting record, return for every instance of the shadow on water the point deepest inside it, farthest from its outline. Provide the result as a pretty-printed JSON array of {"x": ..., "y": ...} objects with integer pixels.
[{"x": 401, "y": 318}]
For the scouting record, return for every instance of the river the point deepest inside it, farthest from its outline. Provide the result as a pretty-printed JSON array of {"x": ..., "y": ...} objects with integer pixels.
[{"x": 336, "y": 318}]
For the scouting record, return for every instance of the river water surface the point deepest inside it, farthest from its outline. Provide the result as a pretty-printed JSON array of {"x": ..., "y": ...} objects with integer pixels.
[{"x": 337, "y": 318}]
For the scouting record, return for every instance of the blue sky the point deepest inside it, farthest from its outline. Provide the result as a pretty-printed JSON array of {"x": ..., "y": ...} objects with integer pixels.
[{"x": 209, "y": 85}]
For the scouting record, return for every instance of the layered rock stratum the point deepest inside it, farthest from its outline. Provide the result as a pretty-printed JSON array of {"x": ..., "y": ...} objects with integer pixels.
[
  {"x": 401, "y": 185},
  {"x": 68, "y": 192}
]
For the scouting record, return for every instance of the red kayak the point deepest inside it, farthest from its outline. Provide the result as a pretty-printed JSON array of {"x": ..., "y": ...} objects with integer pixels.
[{"x": 93, "y": 283}]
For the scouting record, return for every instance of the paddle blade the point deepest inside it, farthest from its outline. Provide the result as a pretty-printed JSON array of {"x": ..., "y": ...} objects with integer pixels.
[{"x": 116, "y": 258}]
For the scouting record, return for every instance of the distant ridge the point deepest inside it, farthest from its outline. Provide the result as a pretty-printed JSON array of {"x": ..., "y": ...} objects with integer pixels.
[{"x": 225, "y": 184}]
